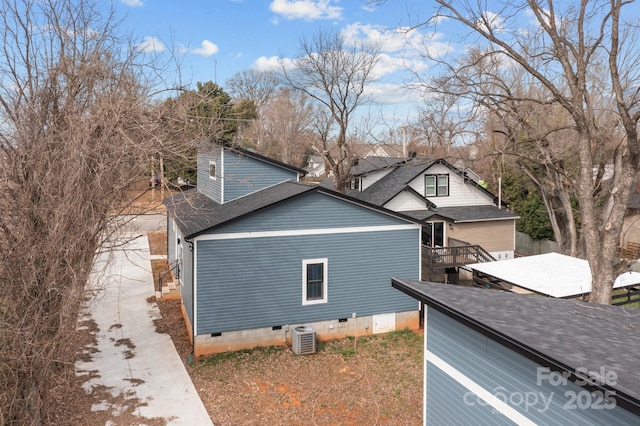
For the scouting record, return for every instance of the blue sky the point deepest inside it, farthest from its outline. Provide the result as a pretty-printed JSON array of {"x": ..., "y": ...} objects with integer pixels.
[{"x": 213, "y": 39}]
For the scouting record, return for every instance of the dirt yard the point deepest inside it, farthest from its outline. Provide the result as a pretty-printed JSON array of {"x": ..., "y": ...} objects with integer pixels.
[{"x": 364, "y": 381}]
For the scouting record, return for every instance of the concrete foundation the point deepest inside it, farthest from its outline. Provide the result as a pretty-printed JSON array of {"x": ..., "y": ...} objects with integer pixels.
[{"x": 281, "y": 335}]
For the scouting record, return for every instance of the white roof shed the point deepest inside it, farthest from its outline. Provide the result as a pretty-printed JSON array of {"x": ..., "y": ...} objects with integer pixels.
[{"x": 551, "y": 274}]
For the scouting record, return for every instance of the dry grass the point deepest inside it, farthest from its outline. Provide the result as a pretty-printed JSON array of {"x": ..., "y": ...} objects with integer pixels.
[
  {"x": 363, "y": 381},
  {"x": 144, "y": 201},
  {"x": 157, "y": 242}
]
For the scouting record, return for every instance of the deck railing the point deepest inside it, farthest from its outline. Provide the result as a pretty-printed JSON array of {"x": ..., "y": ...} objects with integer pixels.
[{"x": 434, "y": 258}]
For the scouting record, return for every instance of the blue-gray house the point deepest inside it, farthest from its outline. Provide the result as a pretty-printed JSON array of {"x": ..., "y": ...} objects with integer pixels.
[
  {"x": 260, "y": 253},
  {"x": 494, "y": 358}
]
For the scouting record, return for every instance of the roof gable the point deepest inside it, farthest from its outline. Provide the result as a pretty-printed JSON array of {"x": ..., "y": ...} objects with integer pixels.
[{"x": 401, "y": 200}]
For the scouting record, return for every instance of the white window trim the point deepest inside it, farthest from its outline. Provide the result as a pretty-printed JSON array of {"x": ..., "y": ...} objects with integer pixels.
[
  {"x": 437, "y": 185},
  {"x": 215, "y": 176},
  {"x": 325, "y": 276}
]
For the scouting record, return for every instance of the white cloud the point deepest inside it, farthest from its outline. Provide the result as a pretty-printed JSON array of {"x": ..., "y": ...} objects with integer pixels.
[
  {"x": 386, "y": 64},
  {"x": 490, "y": 21},
  {"x": 151, "y": 44},
  {"x": 369, "y": 7},
  {"x": 207, "y": 49},
  {"x": 397, "y": 40},
  {"x": 132, "y": 3},
  {"x": 438, "y": 19},
  {"x": 391, "y": 94},
  {"x": 400, "y": 48},
  {"x": 308, "y": 10},
  {"x": 272, "y": 63}
]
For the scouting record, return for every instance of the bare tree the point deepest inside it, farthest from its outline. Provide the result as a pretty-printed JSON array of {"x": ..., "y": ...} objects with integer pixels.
[
  {"x": 445, "y": 119},
  {"x": 283, "y": 130},
  {"x": 76, "y": 130},
  {"x": 253, "y": 85},
  {"x": 582, "y": 58},
  {"x": 335, "y": 75},
  {"x": 523, "y": 133}
]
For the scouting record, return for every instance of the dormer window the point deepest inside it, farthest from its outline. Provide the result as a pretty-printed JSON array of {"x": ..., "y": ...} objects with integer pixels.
[
  {"x": 212, "y": 170},
  {"x": 356, "y": 183},
  {"x": 436, "y": 185}
]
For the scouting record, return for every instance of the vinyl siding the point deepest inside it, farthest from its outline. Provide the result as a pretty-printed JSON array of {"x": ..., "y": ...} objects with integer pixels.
[
  {"x": 210, "y": 187},
  {"x": 373, "y": 177},
  {"x": 493, "y": 236},
  {"x": 445, "y": 402},
  {"x": 460, "y": 193},
  {"x": 244, "y": 175},
  {"x": 406, "y": 201},
  {"x": 257, "y": 282},
  {"x": 504, "y": 373},
  {"x": 310, "y": 211}
]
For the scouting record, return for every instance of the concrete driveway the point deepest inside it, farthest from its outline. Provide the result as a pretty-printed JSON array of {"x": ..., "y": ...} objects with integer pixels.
[
  {"x": 132, "y": 368},
  {"x": 144, "y": 223}
]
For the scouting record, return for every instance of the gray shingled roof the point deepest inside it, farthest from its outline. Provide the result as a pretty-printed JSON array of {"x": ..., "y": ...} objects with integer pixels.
[
  {"x": 370, "y": 164},
  {"x": 389, "y": 186},
  {"x": 421, "y": 214},
  {"x": 474, "y": 213},
  {"x": 463, "y": 213},
  {"x": 634, "y": 201},
  {"x": 569, "y": 334},
  {"x": 195, "y": 212},
  {"x": 396, "y": 181}
]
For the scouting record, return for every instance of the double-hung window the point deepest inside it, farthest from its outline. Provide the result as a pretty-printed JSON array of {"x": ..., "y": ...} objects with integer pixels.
[
  {"x": 436, "y": 185},
  {"x": 314, "y": 281}
]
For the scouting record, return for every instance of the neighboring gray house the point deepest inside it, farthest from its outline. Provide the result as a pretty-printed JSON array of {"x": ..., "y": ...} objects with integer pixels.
[
  {"x": 260, "y": 253},
  {"x": 496, "y": 358}
]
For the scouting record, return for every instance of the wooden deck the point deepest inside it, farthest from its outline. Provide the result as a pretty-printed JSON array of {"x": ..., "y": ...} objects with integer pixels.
[{"x": 436, "y": 260}]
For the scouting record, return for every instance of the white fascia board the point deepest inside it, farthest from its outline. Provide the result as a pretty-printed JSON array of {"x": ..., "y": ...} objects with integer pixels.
[
  {"x": 305, "y": 232},
  {"x": 487, "y": 220},
  {"x": 487, "y": 396}
]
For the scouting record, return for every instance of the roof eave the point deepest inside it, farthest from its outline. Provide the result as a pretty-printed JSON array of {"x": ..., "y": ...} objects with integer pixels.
[{"x": 490, "y": 219}]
